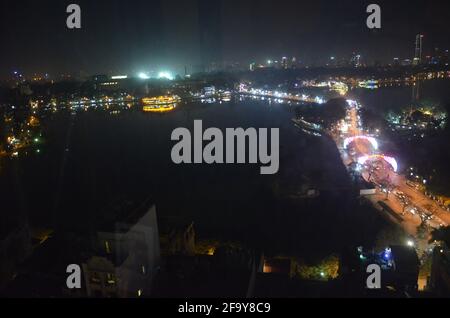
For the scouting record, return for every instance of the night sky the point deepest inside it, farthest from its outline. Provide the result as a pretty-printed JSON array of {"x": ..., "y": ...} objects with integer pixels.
[{"x": 125, "y": 36}]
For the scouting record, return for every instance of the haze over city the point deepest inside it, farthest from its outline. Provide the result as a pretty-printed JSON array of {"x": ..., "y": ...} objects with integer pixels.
[{"x": 124, "y": 37}]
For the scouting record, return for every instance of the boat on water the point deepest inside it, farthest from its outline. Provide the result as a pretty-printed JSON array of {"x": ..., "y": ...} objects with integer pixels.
[
  {"x": 370, "y": 84},
  {"x": 308, "y": 128},
  {"x": 160, "y": 104}
]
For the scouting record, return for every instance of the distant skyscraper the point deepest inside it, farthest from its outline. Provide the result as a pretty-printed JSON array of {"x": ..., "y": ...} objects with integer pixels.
[
  {"x": 355, "y": 61},
  {"x": 284, "y": 63},
  {"x": 418, "y": 50},
  {"x": 438, "y": 57},
  {"x": 445, "y": 58},
  {"x": 294, "y": 62},
  {"x": 332, "y": 61}
]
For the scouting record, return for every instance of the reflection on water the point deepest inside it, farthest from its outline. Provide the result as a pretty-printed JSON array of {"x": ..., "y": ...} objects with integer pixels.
[
  {"x": 95, "y": 157},
  {"x": 91, "y": 157},
  {"x": 160, "y": 104}
]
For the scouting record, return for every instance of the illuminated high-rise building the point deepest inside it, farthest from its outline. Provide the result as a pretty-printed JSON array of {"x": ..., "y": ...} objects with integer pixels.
[
  {"x": 294, "y": 62},
  {"x": 355, "y": 61},
  {"x": 418, "y": 50},
  {"x": 445, "y": 58},
  {"x": 284, "y": 62}
]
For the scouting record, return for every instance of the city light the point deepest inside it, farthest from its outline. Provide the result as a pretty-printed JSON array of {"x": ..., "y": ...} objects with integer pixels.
[
  {"x": 165, "y": 75},
  {"x": 372, "y": 141},
  {"x": 352, "y": 103},
  {"x": 203, "y": 150},
  {"x": 143, "y": 75},
  {"x": 344, "y": 128},
  {"x": 160, "y": 104},
  {"x": 279, "y": 95},
  {"x": 319, "y": 100},
  {"x": 387, "y": 253},
  {"x": 159, "y": 109},
  {"x": 390, "y": 160}
]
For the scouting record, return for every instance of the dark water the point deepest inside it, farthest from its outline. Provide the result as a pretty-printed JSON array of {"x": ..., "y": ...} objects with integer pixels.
[
  {"x": 435, "y": 92},
  {"x": 94, "y": 159}
]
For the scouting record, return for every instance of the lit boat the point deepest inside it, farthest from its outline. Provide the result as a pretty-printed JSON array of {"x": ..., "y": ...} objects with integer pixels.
[
  {"x": 160, "y": 104},
  {"x": 372, "y": 84}
]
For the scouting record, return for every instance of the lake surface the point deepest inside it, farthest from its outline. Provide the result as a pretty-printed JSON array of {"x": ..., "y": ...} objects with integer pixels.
[{"x": 95, "y": 158}]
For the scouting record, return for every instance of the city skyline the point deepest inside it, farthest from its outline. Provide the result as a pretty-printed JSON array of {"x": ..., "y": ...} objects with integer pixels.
[
  {"x": 243, "y": 149},
  {"x": 190, "y": 36}
]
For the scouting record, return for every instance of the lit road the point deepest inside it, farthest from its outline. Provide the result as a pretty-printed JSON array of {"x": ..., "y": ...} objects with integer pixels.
[
  {"x": 416, "y": 197},
  {"x": 408, "y": 214},
  {"x": 421, "y": 200},
  {"x": 280, "y": 95}
]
